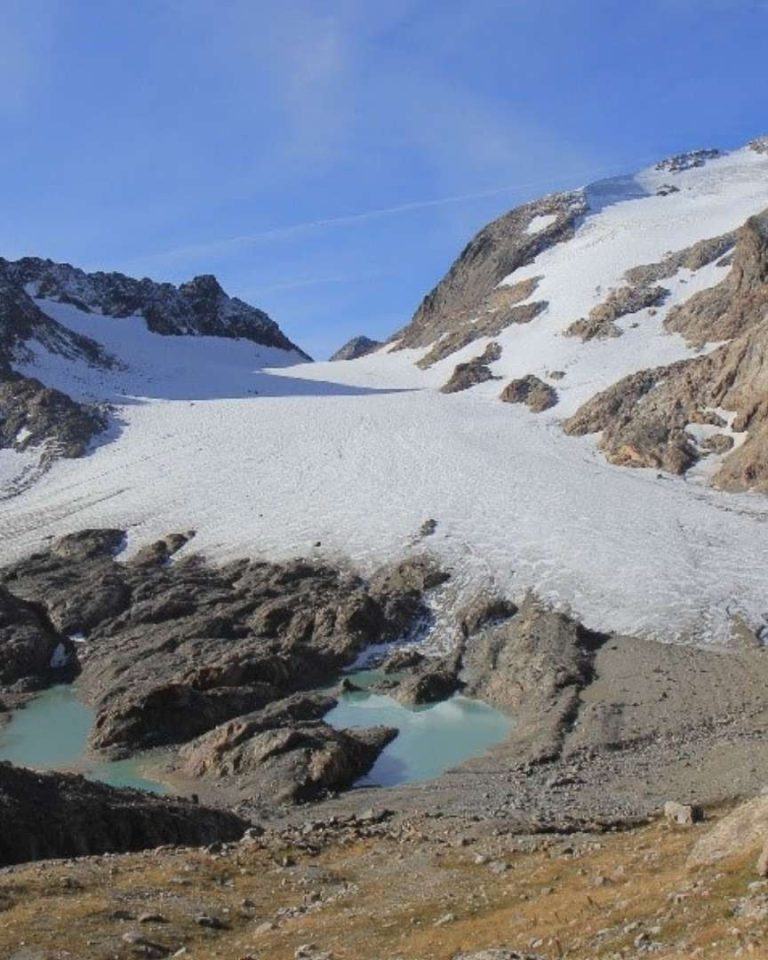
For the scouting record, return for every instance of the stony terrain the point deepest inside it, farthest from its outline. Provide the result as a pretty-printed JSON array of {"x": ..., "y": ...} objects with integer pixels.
[
  {"x": 474, "y": 371},
  {"x": 423, "y": 887}
]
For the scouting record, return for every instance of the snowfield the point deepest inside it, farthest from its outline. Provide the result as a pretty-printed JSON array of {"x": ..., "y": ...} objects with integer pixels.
[{"x": 266, "y": 457}]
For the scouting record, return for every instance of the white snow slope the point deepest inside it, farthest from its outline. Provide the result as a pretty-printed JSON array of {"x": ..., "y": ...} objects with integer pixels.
[{"x": 267, "y": 461}]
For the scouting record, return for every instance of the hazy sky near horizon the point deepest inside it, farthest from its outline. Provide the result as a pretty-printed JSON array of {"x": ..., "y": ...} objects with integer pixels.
[{"x": 328, "y": 159}]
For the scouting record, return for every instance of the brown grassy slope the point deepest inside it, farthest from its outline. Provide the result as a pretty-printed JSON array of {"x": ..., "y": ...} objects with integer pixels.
[{"x": 423, "y": 891}]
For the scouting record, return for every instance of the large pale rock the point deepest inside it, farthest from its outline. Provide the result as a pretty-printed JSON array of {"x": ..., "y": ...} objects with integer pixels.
[{"x": 744, "y": 829}]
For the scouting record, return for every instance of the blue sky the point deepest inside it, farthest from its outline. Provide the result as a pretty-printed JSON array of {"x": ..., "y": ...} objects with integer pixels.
[{"x": 327, "y": 159}]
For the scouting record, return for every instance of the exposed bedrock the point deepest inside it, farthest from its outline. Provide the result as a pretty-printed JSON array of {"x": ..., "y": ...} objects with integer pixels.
[
  {"x": 56, "y": 815},
  {"x": 644, "y": 417},
  {"x": 285, "y": 753},
  {"x": 601, "y": 322},
  {"x": 533, "y": 665},
  {"x": 172, "y": 649}
]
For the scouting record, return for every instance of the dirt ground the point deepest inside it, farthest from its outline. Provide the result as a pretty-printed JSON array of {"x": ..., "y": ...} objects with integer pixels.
[{"x": 418, "y": 889}]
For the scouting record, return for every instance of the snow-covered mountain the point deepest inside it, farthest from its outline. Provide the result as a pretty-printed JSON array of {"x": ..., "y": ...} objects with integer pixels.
[
  {"x": 71, "y": 341},
  {"x": 576, "y": 339}
]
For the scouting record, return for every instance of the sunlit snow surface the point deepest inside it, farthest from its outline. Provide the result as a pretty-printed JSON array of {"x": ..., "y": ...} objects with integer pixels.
[{"x": 356, "y": 455}]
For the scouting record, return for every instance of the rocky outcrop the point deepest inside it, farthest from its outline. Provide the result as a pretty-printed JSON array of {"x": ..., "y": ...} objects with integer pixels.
[
  {"x": 56, "y": 815},
  {"x": 474, "y": 371},
  {"x": 356, "y": 347},
  {"x": 32, "y": 414},
  {"x": 534, "y": 665},
  {"x": 698, "y": 255},
  {"x": 602, "y": 319},
  {"x": 489, "y": 324},
  {"x": 737, "y": 303},
  {"x": 642, "y": 290},
  {"x": 199, "y": 307},
  {"x": 530, "y": 390},
  {"x": 173, "y": 650},
  {"x": 285, "y": 753},
  {"x": 469, "y": 289},
  {"x": 644, "y": 417},
  {"x": 687, "y": 161}
]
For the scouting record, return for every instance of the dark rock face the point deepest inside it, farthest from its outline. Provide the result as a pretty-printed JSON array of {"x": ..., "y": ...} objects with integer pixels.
[
  {"x": 476, "y": 370},
  {"x": 55, "y": 815},
  {"x": 497, "y": 251},
  {"x": 175, "y": 649},
  {"x": 356, "y": 347},
  {"x": 531, "y": 391},
  {"x": 28, "y": 642},
  {"x": 32, "y": 414},
  {"x": 285, "y": 753},
  {"x": 198, "y": 307}
]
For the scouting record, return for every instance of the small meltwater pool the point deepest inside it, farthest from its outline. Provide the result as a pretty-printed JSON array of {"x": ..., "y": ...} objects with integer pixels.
[
  {"x": 51, "y": 733},
  {"x": 432, "y": 738}
]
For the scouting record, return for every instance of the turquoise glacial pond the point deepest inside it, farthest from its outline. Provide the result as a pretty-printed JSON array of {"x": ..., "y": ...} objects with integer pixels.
[
  {"x": 51, "y": 733},
  {"x": 432, "y": 738}
]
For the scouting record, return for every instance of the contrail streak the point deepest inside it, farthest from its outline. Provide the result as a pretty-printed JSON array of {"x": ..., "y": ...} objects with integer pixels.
[{"x": 296, "y": 229}]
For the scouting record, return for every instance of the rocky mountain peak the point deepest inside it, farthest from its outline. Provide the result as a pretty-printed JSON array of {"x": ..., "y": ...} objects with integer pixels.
[
  {"x": 199, "y": 307},
  {"x": 356, "y": 347}
]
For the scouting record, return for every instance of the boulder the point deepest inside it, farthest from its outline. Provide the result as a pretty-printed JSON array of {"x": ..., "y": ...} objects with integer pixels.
[
  {"x": 530, "y": 390},
  {"x": 683, "y": 814}
]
